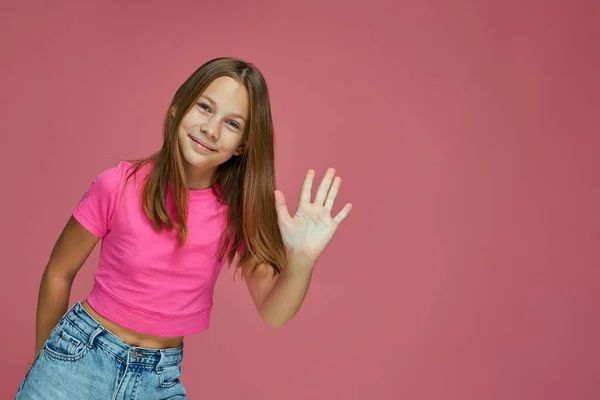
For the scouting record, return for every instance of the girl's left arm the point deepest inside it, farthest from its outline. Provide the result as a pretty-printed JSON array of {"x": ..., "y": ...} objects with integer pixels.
[{"x": 305, "y": 235}]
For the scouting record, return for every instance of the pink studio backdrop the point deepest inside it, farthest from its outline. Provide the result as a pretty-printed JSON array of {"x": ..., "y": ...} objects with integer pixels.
[{"x": 467, "y": 136}]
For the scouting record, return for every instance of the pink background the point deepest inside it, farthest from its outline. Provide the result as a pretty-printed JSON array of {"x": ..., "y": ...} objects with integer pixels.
[{"x": 467, "y": 136}]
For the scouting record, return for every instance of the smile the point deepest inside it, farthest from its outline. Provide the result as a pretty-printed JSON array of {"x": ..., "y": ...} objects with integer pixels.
[{"x": 200, "y": 145}]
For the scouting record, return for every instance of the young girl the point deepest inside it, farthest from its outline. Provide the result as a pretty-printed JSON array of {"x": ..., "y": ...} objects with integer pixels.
[{"x": 168, "y": 223}]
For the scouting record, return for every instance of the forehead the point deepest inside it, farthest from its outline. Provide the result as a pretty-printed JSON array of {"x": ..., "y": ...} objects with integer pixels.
[{"x": 228, "y": 94}]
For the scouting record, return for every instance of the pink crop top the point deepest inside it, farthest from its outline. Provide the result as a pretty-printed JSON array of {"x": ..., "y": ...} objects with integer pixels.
[{"x": 144, "y": 282}]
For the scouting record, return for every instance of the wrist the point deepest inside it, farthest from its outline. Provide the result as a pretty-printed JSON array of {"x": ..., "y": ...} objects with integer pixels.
[{"x": 301, "y": 259}]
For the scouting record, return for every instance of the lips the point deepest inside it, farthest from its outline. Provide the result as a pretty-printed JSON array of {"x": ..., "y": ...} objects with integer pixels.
[{"x": 201, "y": 143}]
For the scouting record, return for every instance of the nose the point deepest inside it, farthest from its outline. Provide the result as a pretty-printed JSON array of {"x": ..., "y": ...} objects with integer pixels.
[{"x": 211, "y": 128}]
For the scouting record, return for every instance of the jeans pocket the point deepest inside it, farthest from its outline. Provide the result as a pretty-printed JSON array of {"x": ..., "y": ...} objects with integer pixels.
[
  {"x": 66, "y": 343},
  {"x": 169, "y": 375}
]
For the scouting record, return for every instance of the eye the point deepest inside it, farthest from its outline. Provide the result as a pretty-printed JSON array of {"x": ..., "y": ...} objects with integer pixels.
[
  {"x": 204, "y": 107},
  {"x": 234, "y": 124}
]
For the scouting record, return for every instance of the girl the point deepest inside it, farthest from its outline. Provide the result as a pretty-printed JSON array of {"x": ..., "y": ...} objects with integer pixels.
[{"x": 168, "y": 223}]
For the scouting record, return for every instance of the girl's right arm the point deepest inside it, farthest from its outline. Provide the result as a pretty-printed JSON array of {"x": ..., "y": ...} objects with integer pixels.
[{"x": 72, "y": 248}]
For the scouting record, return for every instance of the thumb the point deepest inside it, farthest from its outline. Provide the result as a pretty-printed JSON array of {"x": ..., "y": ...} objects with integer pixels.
[{"x": 280, "y": 206}]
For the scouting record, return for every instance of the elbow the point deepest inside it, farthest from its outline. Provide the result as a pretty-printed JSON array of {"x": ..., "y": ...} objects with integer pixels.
[
  {"x": 57, "y": 276},
  {"x": 272, "y": 321},
  {"x": 274, "y": 324}
]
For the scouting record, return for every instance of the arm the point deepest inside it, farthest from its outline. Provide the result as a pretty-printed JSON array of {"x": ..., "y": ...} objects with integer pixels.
[
  {"x": 306, "y": 235},
  {"x": 72, "y": 248},
  {"x": 278, "y": 299}
]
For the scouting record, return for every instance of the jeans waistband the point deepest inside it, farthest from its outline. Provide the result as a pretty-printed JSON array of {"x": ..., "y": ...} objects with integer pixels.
[{"x": 96, "y": 333}]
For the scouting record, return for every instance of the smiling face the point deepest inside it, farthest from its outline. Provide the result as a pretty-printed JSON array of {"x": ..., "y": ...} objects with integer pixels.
[{"x": 213, "y": 129}]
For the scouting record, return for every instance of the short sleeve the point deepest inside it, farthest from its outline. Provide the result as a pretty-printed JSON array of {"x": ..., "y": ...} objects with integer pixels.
[{"x": 95, "y": 209}]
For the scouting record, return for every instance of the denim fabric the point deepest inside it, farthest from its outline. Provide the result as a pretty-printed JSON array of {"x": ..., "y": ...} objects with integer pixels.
[{"x": 83, "y": 360}]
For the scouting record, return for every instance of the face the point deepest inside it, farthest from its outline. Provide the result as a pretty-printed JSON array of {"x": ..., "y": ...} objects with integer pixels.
[{"x": 212, "y": 130}]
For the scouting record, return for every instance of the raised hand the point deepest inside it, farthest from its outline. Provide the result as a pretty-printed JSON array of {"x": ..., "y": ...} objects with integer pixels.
[{"x": 311, "y": 229}]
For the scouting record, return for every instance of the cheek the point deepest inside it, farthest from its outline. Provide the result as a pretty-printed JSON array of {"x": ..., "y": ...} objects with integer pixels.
[
  {"x": 190, "y": 120},
  {"x": 232, "y": 143},
  {"x": 185, "y": 125},
  {"x": 182, "y": 138}
]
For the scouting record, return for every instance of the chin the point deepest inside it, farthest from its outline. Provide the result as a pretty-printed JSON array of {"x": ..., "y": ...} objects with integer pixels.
[{"x": 196, "y": 162}]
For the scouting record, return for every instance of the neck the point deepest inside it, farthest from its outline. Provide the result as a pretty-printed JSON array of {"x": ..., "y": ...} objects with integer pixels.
[{"x": 198, "y": 179}]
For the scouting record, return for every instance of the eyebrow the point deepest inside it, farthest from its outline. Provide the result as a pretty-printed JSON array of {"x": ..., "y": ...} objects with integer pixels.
[{"x": 213, "y": 102}]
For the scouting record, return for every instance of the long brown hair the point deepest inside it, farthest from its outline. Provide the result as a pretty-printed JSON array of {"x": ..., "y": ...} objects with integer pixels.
[{"x": 245, "y": 183}]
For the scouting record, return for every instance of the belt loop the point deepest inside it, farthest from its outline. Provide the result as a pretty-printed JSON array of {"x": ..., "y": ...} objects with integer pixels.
[
  {"x": 98, "y": 331},
  {"x": 160, "y": 362}
]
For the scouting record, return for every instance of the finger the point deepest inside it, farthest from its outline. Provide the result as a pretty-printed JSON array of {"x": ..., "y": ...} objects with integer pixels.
[
  {"x": 307, "y": 187},
  {"x": 324, "y": 186},
  {"x": 333, "y": 193},
  {"x": 343, "y": 214},
  {"x": 280, "y": 206}
]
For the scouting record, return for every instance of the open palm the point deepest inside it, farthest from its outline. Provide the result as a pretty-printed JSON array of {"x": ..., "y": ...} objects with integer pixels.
[{"x": 311, "y": 229}]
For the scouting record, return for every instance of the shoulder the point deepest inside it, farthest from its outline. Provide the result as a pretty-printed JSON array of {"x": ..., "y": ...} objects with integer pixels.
[
  {"x": 110, "y": 177},
  {"x": 120, "y": 172}
]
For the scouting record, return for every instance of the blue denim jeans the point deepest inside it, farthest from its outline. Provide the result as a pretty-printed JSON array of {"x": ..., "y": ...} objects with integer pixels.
[{"x": 83, "y": 360}]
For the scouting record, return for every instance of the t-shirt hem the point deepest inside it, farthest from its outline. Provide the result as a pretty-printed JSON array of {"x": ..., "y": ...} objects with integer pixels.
[{"x": 147, "y": 322}]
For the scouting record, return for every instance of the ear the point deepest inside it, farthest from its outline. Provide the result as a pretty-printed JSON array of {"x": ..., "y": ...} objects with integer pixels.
[
  {"x": 173, "y": 111},
  {"x": 240, "y": 150}
]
